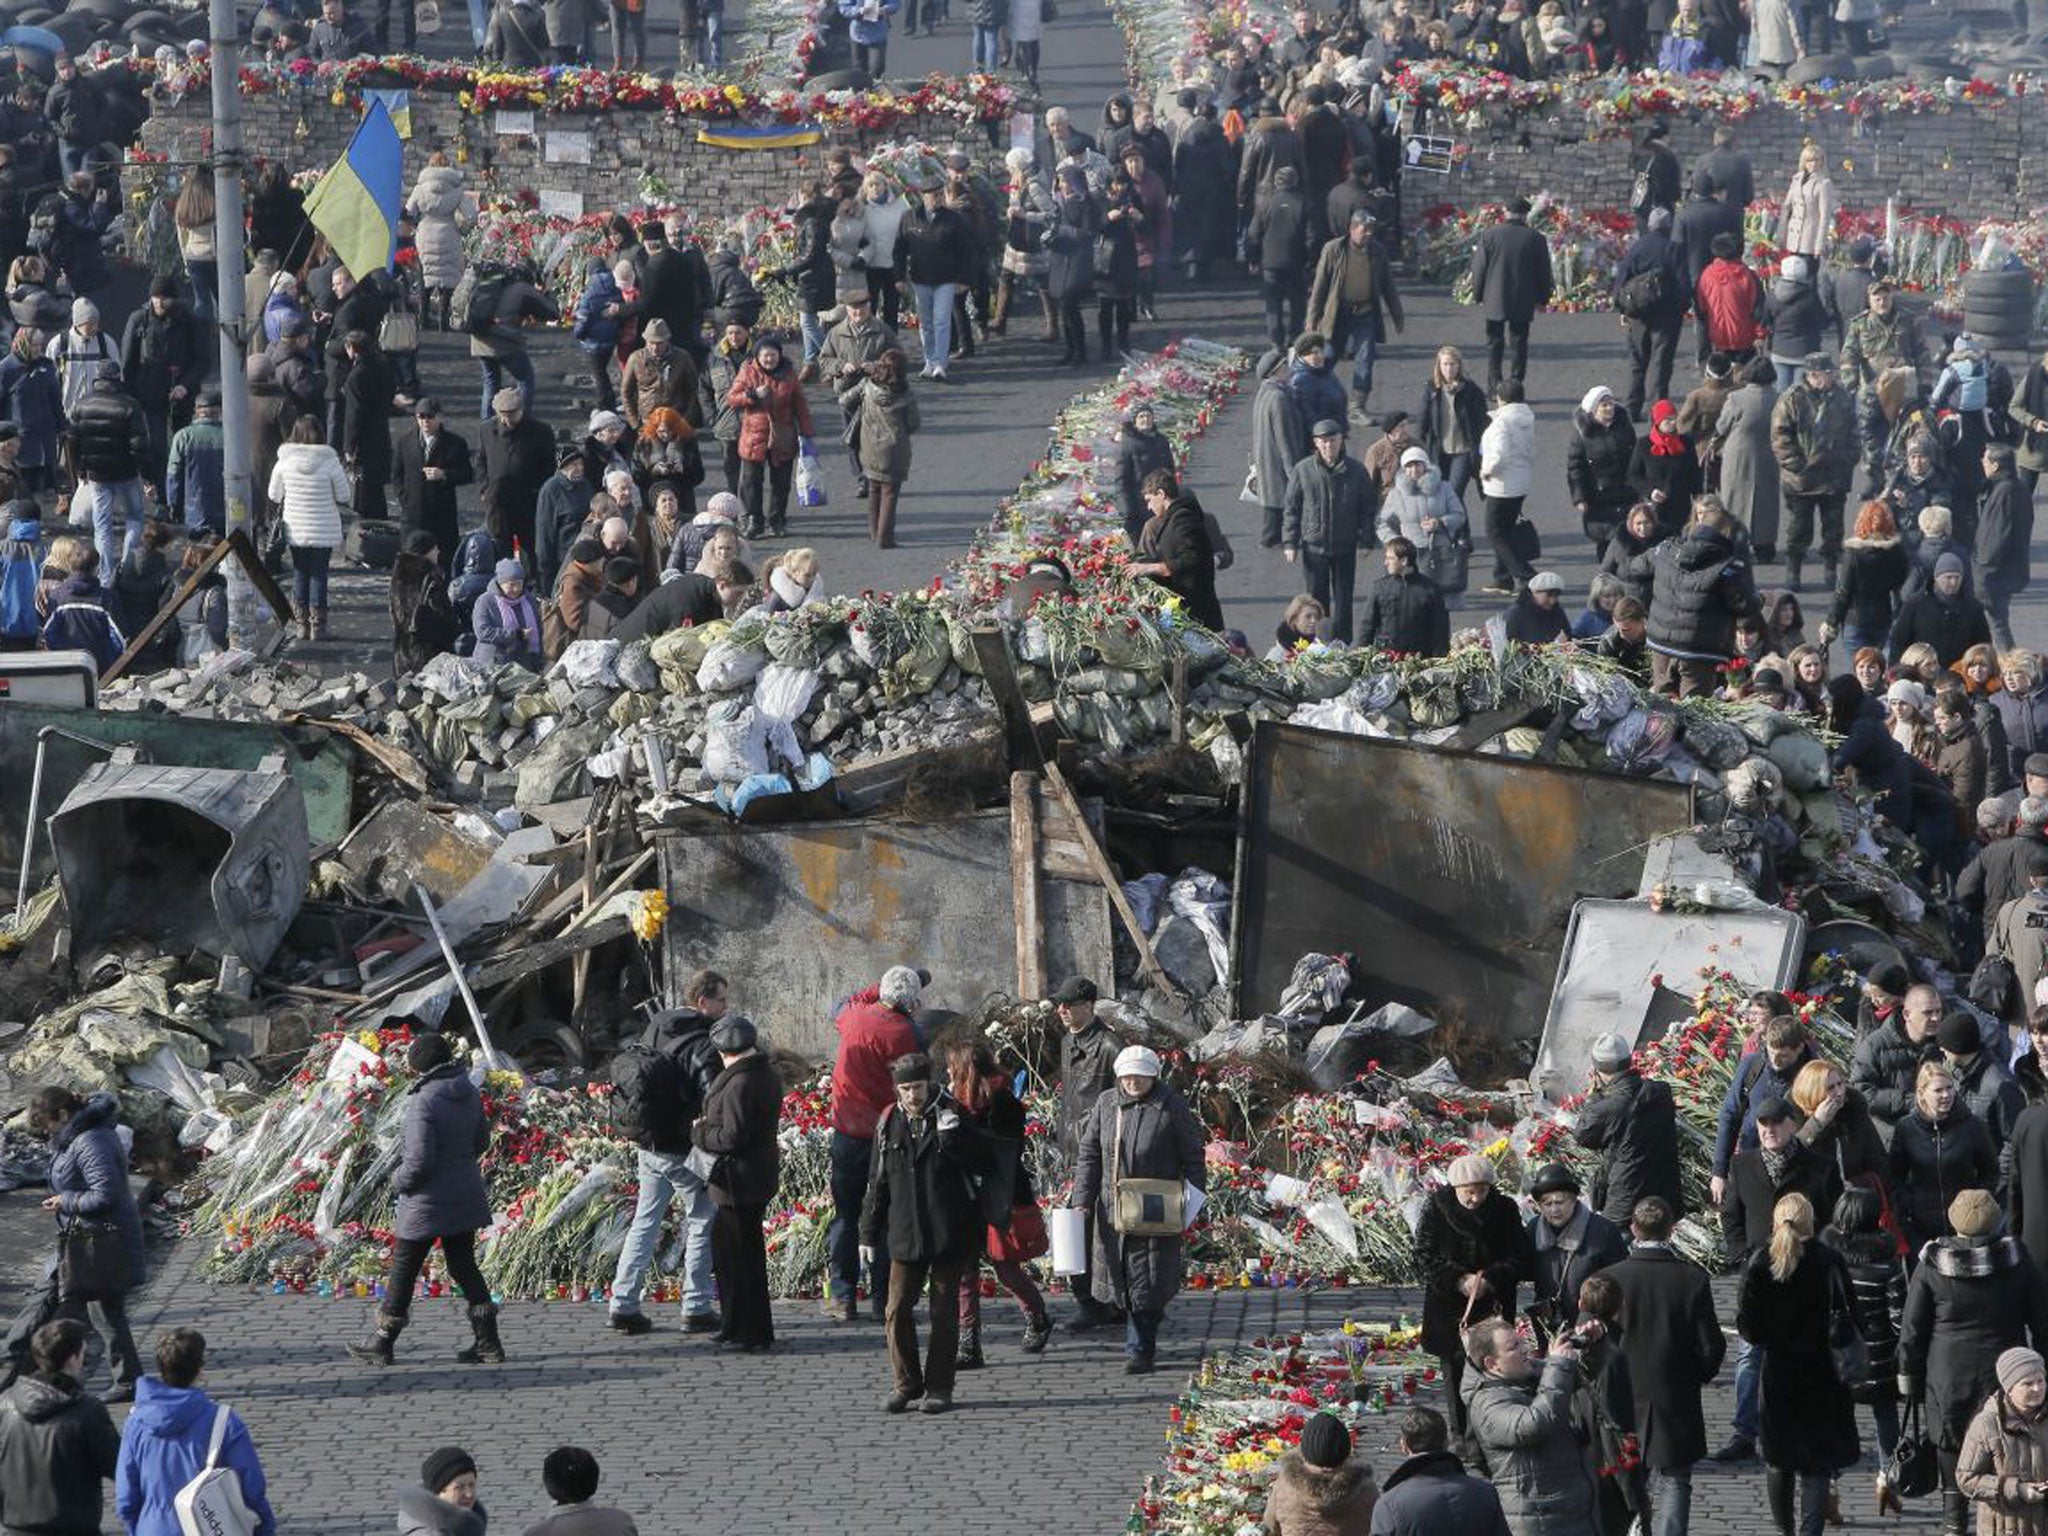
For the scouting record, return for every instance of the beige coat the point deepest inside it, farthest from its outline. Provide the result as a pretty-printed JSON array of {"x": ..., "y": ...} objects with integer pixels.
[
  {"x": 2002, "y": 1459},
  {"x": 1809, "y": 215},
  {"x": 1320, "y": 1501}
]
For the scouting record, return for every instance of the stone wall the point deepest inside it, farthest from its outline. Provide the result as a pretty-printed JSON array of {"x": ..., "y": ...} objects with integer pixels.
[
  {"x": 622, "y": 150},
  {"x": 1976, "y": 162}
]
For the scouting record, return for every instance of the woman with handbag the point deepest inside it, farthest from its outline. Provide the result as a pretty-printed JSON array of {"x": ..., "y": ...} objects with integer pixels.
[
  {"x": 737, "y": 1131},
  {"x": 986, "y": 1101},
  {"x": 1877, "y": 1299},
  {"x": 1789, "y": 1288},
  {"x": 100, "y": 1257},
  {"x": 2003, "y": 1468},
  {"x": 1473, "y": 1254},
  {"x": 1141, "y": 1154}
]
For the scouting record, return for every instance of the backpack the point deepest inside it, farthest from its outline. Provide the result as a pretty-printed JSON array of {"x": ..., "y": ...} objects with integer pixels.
[
  {"x": 1973, "y": 386},
  {"x": 212, "y": 1504},
  {"x": 655, "y": 1095},
  {"x": 1646, "y": 294},
  {"x": 1995, "y": 988},
  {"x": 479, "y": 308},
  {"x": 18, "y": 617}
]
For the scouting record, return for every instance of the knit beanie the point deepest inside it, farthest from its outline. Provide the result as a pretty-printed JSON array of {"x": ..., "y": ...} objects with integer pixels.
[
  {"x": 1973, "y": 1213},
  {"x": 2015, "y": 1365},
  {"x": 442, "y": 1467},
  {"x": 422, "y": 1056},
  {"x": 1325, "y": 1442}
]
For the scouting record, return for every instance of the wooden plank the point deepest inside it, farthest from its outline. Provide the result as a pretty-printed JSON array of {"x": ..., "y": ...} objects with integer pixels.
[
  {"x": 395, "y": 760},
  {"x": 236, "y": 544},
  {"x": 1024, "y": 893},
  {"x": 992, "y": 650},
  {"x": 531, "y": 958},
  {"x": 1098, "y": 862}
]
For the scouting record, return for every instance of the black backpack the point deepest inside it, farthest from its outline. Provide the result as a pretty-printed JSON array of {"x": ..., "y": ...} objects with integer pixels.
[
  {"x": 480, "y": 314},
  {"x": 1646, "y": 294},
  {"x": 655, "y": 1094},
  {"x": 1995, "y": 987}
]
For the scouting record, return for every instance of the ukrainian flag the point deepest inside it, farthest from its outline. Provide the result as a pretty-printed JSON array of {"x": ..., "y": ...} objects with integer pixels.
[
  {"x": 356, "y": 204},
  {"x": 761, "y": 136}
]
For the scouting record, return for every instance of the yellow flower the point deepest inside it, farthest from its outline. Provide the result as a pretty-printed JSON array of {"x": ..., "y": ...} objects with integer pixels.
[{"x": 650, "y": 913}]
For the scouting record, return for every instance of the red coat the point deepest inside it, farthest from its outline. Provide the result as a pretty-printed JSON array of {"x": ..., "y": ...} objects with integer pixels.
[
  {"x": 769, "y": 428},
  {"x": 1731, "y": 305},
  {"x": 870, "y": 1038}
]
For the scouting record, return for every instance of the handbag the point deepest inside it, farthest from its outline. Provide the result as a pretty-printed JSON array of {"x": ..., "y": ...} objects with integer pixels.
[
  {"x": 1911, "y": 1470},
  {"x": 1249, "y": 491},
  {"x": 92, "y": 1261},
  {"x": 1847, "y": 1352},
  {"x": 708, "y": 1166},
  {"x": 399, "y": 332},
  {"x": 1022, "y": 1238},
  {"x": 212, "y": 1504},
  {"x": 1144, "y": 1207}
]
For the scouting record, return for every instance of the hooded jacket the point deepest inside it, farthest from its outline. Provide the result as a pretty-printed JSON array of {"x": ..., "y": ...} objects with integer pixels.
[
  {"x": 1729, "y": 299},
  {"x": 1867, "y": 588},
  {"x": 163, "y": 1447},
  {"x": 89, "y": 1175},
  {"x": 1699, "y": 587},
  {"x": 21, "y": 562},
  {"x": 57, "y": 1445},
  {"x": 1507, "y": 451},
  {"x": 313, "y": 489},
  {"x": 440, "y": 1189},
  {"x": 2005, "y": 529},
  {"x": 1799, "y": 321},
  {"x": 1597, "y": 463},
  {"x": 1320, "y": 1501},
  {"x": 80, "y": 620}
]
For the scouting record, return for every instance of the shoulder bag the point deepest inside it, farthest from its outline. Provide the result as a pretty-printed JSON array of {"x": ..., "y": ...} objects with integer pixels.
[
  {"x": 92, "y": 1261},
  {"x": 1911, "y": 1470},
  {"x": 1143, "y": 1207},
  {"x": 1846, "y": 1349},
  {"x": 212, "y": 1504}
]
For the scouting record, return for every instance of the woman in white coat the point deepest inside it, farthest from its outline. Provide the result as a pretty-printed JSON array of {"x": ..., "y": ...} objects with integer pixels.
[
  {"x": 442, "y": 207},
  {"x": 1809, "y": 207},
  {"x": 313, "y": 489},
  {"x": 1507, "y": 465}
]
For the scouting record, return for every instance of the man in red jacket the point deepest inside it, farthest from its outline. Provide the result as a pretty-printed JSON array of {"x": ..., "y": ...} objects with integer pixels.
[
  {"x": 1730, "y": 301},
  {"x": 874, "y": 1029}
]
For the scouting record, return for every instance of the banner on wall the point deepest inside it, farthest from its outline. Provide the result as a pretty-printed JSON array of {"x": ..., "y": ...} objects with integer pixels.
[
  {"x": 398, "y": 104},
  {"x": 762, "y": 136}
]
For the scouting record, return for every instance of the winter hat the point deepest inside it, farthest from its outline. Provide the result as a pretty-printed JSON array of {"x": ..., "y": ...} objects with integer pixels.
[
  {"x": 1958, "y": 1034},
  {"x": 1890, "y": 977},
  {"x": 163, "y": 286},
  {"x": 508, "y": 399},
  {"x": 1546, "y": 581},
  {"x": 83, "y": 310},
  {"x": 733, "y": 1035},
  {"x": 1470, "y": 1169},
  {"x": 1325, "y": 1442},
  {"x": 1964, "y": 346},
  {"x": 586, "y": 551},
  {"x": 1610, "y": 1051},
  {"x": 420, "y": 542},
  {"x": 569, "y": 1475},
  {"x": 1137, "y": 1061},
  {"x": 1719, "y": 365},
  {"x": 916, "y": 1067},
  {"x": 1950, "y": 564},
  {"x": 1909, "y": 693},
  {"x": 442, "y": 1467},
  {"x": 424, "y": 1054},
  {"x": 1774, "y": 1109},
  {"x": 606, "y": 421},
  {"x": 1329, "y": 427},
  {"x": 1768, "y": 680},
  {"x": 1590, "y": 401},
  {"x": 1553, "y": 1179},
  {"x": 900, "y": 987},
  {"x": 1663, "y": 411},
  {"x": 1794, "y": 269},
  {"x": 1819, "y": 362},
  {"x": 2015, "y": 1365},
  {"x": 1414, "y": 456},
  {"x": 657, "y": 330},
  {"x": 1973, "y": 1213},
  {"x": 9, "y": 432},
  {"x": 508, "y": 570}
]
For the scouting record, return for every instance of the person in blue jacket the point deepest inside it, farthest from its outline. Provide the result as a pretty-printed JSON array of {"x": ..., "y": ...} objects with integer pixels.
[
  {"x": 166, "y": 1440},
  {"x": 596, "y": 330},
  {"x": 21, "y": 564},
  {"x": 869, "y": 32},
  {"x": 81, "y": 618},
  {"x": 1763, "y": 1074}
]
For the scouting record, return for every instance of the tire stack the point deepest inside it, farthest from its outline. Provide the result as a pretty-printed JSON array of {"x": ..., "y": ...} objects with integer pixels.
[{"x": 1998, "y": 308}]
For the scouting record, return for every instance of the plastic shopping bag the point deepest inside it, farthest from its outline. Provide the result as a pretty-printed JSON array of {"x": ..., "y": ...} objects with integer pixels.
[{"x": 810, "y": 484}]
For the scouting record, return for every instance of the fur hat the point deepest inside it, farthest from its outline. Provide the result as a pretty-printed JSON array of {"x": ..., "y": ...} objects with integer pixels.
[{"x": 442, "y": 1467}]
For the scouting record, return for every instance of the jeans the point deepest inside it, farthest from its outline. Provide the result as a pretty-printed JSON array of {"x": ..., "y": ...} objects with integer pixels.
[
  {"x": 711, "y": 46},
  {"x": 106, "y": 497},
  {"x": 851, "y": 1158},
  {"x": 663, "y": 1176},
  {"x": 1855, "y": 639},
  {"x": 409, "y": 1257},
  {"x": 495, "y": 370},
  {"x": 309, "y": 575},
  {"x": 1813, "y": 1499},
  {"x": 871, "y": 58},
  {"x": 1506, "y": 343},
  {"x": 1670, "y": 1502},
  {"x": 109, "y": 1318},
  {"x": 814, "y": 333},
  {"x": 907, "y": 1282},
  {"x": 1998, "y": 607},
  {"x": 1286, "y": 296},
  {"x": 1456, "y": 468},
  {"x": 1789, "y": 374},
  {"x": 986, "y": 47},
  {"x": 740, "y": 1254},
  {"x": 205, "y": 276},
  {"x": 1749, "y": 1368},
  {"x": 1884, "y": 1414},
  {"x": 934, "y": 323},
  {"x": 1141, "y": 1330},
  {"x": 629, "y": 37},
  {"x": 479, "y": 22},
  {"x": 1358, "y": 336},
  {"x": 1330, "y": 580},
  {"x": 1652, "y": 350}
]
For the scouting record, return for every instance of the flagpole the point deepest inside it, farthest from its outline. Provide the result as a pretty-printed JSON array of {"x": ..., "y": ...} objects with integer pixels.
[{"x": 238, "y": 441}]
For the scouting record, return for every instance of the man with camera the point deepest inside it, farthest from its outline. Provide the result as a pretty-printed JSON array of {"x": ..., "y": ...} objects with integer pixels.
[{"x": 1520, "y": 1412}]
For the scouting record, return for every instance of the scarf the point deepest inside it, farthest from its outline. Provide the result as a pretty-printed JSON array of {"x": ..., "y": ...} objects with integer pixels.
[
  {"x": 1667, "y": 445},
  {"x": 1774, "y": 1163},
  {"x": 1570, "y": 1237}
]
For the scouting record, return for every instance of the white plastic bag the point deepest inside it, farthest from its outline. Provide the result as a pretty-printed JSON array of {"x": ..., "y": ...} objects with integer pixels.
[
  {"x": 784, "y": 692},
  {"x": 810, "y": 483},
  {"x": 727, "y": 667}
]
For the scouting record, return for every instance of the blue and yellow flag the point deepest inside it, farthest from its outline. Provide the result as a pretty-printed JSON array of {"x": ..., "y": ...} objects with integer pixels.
[
  {"x": 399, "y": 105},
  {"x": 356, "y": 204},
  {"x": 761, "y": 136}
]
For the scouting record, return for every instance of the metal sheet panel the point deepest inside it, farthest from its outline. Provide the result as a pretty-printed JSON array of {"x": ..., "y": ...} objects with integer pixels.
[
  {"x": 1449, "y": 876},
  {"x": 798, "y": 917}
]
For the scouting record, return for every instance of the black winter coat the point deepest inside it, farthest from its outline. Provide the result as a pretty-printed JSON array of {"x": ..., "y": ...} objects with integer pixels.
[
  {"x": 1883, "y": 1068},
  {"x": 366, "y": 397},
  {"x": 1433, "y": 1495},
  {"x": 1087, "y": 1071},
  {"x": 1181, "y": 541},
  {"x": 1751, "y": 1194},
  {"x": 1677, "y": 475},
  {"x": 1596, "y": 471},
  {"x": 742, "y": 1113},
  {"x": 431, "y": 504},
  {"x": 1970, "y": 1300},
  {"x": 1674, "y": 1346},
  {"x": 1809, "y": 1421},
  {"x": 1137, "y": 455},
  {"x": 1867, "y": 589},
  {"x": 2005, "y": 533},
  {"x": 423, "y": 619},
  {"x": 439, "y": 1186},
  {"x": 1628, "y": 562},
  {"x": 1633, "y": 1124},
  {"x": 1468, "y": 402},
  {"x": 1950, "y": 626},
  {"x": 811, "y": 268},
  {"x": 677, "y": 289},
  {"x": 1329, "y": 509},
  {"x": 109, "y": 434},
  {"x": 1527, "y": 624},
  {"x": 1451, "y": 1243},
  {"x": 1406, "y": 613},
  {"x": 684, "y": 1036},
  {"x": 516, "y": 464},
  {"x": 1933, "y": 1161},
  {"x": 2026, "y": 1181},
  {"x": 1070, "y": 268},
  {"x": 1652, "y": 252},
  {"x": 1511, "y": 277},
  {"x": 1699, "y": 586},
  {"x": 58, "y": 1446},
  {"x": 936, "y": 242},
  {"x": 1556, "y": 1270},
  {"x": 1281, "y": 231},
  {"x": 160, "y": 352},
  {"x": 920, "y": 1191}
]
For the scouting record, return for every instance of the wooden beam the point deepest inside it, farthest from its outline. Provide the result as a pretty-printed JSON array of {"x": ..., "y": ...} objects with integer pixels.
[
  {"x": 992, "y": 650},
  {"x": 236, "y": 544},
  {"x": 1024, "y": 892},
  {"x": 1098, "y": 862}
]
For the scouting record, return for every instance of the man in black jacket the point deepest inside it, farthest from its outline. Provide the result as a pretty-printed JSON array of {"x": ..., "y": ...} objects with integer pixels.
[
  {"x": 1707, "y": 213},
  {"x": 1780, "y": 1164},
  {"x": 1699, "y": 586},
  {"x": 2005, "y": 533},
  {"x": 1632, "y": 1123},
  {"x": 367, "y": 393},
  {"x": 922, "y": 1199},
  {"x": 1279, "y": 237},
  {"x": 1329, "y": 508},
  {"x": 1944, "y": 616},
  {"x": 1404, "y": 611},
  {"x": 428, "y": 467},
  {"x": 1511, "y": 280},
  {"x": 1087, "y": 1071},
  {"x": 674, "y": 290},
  {"x": 1657, "y": 177},
  {"x": 1887, "y": 1060},
  {"x": 78, "y": 111},
  {"x": 673, "y": 1069},
  {"x": 1674, "y": 1346},
  {"x": 109, "y": 451},
  {"x": 1650, "y": 292},
  {"x": 162, "y": 364},
  {"x": 519, "y": 455},
  {"x": 58, "y": 1445}
]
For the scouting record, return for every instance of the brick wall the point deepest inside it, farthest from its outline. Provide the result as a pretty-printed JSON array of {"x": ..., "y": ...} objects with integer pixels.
[
  {"x": 622, "y": 146},
  {"x": 1973, "y": 163}
]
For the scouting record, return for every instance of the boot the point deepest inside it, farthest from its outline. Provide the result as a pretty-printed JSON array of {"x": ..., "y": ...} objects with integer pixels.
[
  {"x": 483, "y": 1327},
  {"x": 1832, "y": 1514},
  {"x": 1828, "y": 576},
  {"x": 1792, "y": 567},
  {"x": 1105, "y": 331},
  {"x": 319, "y": 623},
  {"x": 1887, "y": 1499},
  {"x": 303, "y": 616},
  {"x": 447, "y": 298},
  {"x": 968, "y": 1358},
  {"x": 1778, "y": 1489},
  {"x": 376, "y": 1349},
  {"x": 1052, "y": 316},
  {"x": 1037, "y": 1332},
  {"x": 885, "y": 516},
  {"x": 999, "y": 311},
  {"x": 1955, "y": 1512}
]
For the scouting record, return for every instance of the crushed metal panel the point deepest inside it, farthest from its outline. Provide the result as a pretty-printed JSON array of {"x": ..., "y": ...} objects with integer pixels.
[
  {"x": 1449, "y": 876},
  {"x": 798, "y": 917},
  {"x": 211, "y": 859},
  {"x": 1616, "y": 953},
  {"x": 399, "y": 844}
]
